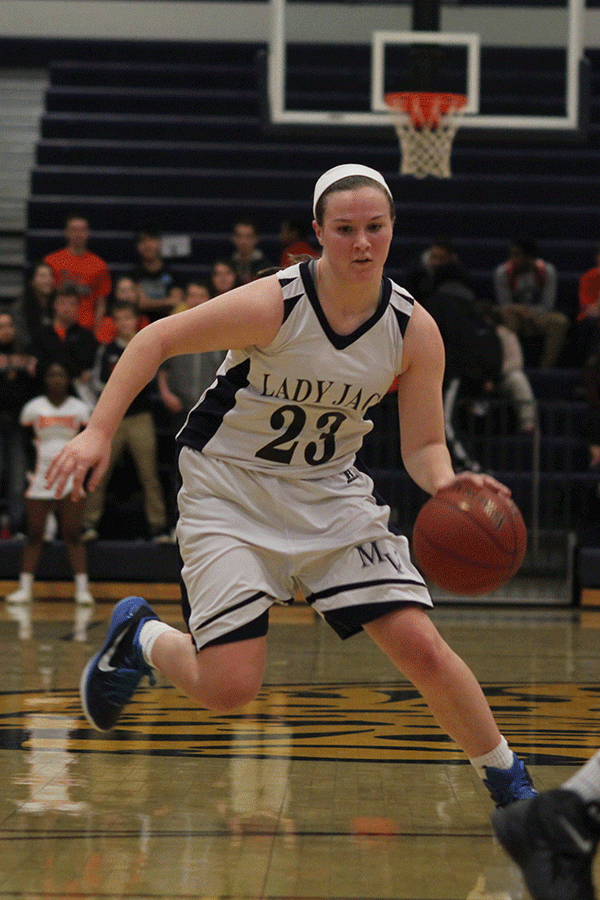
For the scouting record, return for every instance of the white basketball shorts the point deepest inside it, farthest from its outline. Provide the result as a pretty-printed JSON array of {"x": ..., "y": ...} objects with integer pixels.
[{"x": 249, "y": 539}]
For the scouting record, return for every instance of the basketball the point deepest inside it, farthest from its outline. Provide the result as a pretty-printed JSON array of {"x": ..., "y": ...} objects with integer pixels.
[{"x": 469, "y": 540}]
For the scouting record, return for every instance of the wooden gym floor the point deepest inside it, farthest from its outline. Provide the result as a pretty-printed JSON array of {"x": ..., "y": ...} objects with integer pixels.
[{"x": 335, "y": 783}]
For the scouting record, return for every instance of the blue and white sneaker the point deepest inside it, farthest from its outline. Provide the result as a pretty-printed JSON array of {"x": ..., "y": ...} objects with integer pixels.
[
  {"x": 508, "y": 785},
  {"x": 112, "y": 675}
]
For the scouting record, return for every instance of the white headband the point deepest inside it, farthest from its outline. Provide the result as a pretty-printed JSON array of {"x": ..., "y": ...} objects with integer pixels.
[{"x": 338, "y": 172}]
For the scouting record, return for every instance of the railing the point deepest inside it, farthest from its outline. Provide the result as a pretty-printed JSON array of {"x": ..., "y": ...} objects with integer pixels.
[{"x": 547, "y": 472}]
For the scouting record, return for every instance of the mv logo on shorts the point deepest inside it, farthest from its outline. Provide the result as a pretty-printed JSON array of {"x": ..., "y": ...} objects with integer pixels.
[{"x": 371, "y": 555}]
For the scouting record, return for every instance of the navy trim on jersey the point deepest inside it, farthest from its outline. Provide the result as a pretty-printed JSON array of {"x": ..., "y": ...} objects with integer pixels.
[
  {"x": 357, "y": 585},
  {"x": 204, "y": 420},
  {"x": 341, "y": 341},
  {"x": 402, "y": 317},
  {"x": 289, "y": 302},
  {"x": 224, "y": 612}
]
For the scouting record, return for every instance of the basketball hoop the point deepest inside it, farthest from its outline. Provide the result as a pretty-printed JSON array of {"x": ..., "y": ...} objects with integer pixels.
[{"x": 426, "y": 124}]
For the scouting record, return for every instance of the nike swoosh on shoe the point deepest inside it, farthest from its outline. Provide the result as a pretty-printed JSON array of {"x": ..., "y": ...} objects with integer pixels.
[
  {"x": 583, "y": 844},
  {"x": 105, "y": 659}
]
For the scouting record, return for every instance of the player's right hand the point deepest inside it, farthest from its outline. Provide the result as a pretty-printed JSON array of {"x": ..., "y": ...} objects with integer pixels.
[{"x": 89, "y": 451}]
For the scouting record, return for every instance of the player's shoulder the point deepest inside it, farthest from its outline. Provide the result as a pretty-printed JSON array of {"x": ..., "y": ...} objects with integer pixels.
[
  {"x": 399, "y": 295},
  {"x": 401, "y": 302}
]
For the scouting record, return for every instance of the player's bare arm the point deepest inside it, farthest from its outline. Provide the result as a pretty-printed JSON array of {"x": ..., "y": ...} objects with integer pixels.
[
  {"x": 249, "y": 315},
  {"x": 422, "y": 436},
  {"x": 420, "y": 409}
]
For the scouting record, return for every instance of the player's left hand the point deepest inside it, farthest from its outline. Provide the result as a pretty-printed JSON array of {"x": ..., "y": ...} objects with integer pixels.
[
  {"x": 88, "y": 451},
  {"x": 480, "y": 480}
]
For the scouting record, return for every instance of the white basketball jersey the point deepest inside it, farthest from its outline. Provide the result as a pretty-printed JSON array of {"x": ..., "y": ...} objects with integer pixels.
[{"x": 298, "y": 405}]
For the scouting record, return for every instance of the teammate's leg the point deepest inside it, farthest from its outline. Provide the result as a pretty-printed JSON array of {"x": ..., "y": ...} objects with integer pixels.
[
  {"x": 413, "y": 644},
  {"x": 71, "y": 514},
  {"x": 37, "y": 511},
  {"x": 554, "y": 836}
]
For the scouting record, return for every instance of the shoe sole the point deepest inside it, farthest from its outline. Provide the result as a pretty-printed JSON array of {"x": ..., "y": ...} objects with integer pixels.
[{"x": 82, "y": 691}]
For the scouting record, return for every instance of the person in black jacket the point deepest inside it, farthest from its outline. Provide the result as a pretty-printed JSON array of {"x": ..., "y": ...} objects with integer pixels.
[
  {"x": 68, "y": 342},
  {"x": 473, "y": 351},
  {"x": 17, "y": 386}
]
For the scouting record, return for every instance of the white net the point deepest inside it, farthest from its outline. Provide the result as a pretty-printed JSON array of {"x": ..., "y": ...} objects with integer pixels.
[{"x": 426, "y": 125}]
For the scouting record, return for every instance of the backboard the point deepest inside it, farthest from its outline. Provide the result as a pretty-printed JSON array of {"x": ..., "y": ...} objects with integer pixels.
[{"x": 331, "y": 63}]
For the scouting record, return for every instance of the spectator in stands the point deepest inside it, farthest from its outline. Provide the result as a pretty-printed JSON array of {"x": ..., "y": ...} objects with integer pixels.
[
  {"x": 525, "y": 288},
  {"x": 592, "y": 417},
  {"x": 420, "y": 278},
  {"x": 183, "y": 379},
  {"x": 35, "y": 308},
  {"x": 136, "y": 433},
  {"x": 587, "y": 326},
  {"x": 196, "y": 292},
  {"x": 223, "y": 277},
  {"x": 17, "y": 386},
  {"x": 68, "y": 341},
  {"x": 125, "y": 290},
  {"x": 78, "y": 265},
  {"x": 293, "y": 234},
  {"x": 160, "y": 289},
  {"x": 248, "y": 259},
  {"x": 52, "y": 419},
  {"x": 513, "y": 382},
  {"x": 473, "y": 352}
]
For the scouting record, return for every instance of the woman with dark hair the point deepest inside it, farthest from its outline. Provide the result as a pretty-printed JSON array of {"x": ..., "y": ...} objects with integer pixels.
[
  {"x": 52, "y": 419},
  {"x": 35, "y": 309}
]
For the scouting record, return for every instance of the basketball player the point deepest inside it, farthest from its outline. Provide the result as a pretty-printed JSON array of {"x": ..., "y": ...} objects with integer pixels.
[{"x": 272, "y": 501}]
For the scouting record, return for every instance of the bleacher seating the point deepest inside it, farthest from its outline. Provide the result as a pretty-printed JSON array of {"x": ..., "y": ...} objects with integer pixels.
[
  {"x": 129, "y": 140},
  {"x": 183, "y": 144},
  {"x": 550, "y": 480}
]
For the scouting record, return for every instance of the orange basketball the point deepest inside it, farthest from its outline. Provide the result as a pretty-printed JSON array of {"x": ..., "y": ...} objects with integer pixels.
[{"x": 469, "y": 540}]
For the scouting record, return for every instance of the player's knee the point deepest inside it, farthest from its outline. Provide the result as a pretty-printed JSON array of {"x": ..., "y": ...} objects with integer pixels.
[
  {"x": 222, "y": 689},
  {"x": 424, "y": 653},
  {"x": 228, "y": 695},
  {"x": 429, "y": 654}
]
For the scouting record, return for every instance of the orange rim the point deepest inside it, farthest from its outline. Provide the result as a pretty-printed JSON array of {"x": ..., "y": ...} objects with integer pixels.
[{"x": 425, "y": 108}]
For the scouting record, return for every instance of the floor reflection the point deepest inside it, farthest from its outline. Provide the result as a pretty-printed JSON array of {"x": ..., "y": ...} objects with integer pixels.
[{"x": 333, "y": 785}]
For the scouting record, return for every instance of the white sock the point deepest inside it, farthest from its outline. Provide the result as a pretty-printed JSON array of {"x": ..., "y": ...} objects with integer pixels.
[
  {"x": 26, "y": 582},
  {"x": 586, "y": 781},
  {"x": 501, "y": 757},
  {"x": 148, "y": 634},
  {"x": 81, "y": 582}
]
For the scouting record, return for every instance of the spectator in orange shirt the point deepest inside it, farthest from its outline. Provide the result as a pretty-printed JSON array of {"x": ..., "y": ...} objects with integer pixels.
[
  {"x": 77, "y": 264},
  {"x": 293, "y": 232},
  {"x": 587, "y": 326}
]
